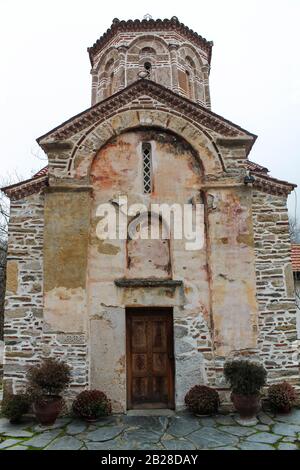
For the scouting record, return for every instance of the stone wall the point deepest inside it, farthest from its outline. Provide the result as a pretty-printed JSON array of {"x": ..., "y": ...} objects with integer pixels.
[
  {"x": 3, "y": 247},
  {"x": 24, "y": 289},
  {"x": 27, "y": 336},
  {"x": 297, "y": 289},
  {"x": 277, "y": 340}
]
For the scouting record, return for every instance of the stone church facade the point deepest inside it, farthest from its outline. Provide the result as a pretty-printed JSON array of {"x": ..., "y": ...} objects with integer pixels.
[{"x": 145, "y": 320}]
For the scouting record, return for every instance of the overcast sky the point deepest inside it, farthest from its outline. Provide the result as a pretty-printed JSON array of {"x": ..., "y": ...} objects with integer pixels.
[{"x": 45, "y": 70}]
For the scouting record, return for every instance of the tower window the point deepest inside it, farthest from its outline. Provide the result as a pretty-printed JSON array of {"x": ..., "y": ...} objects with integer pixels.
[
  {"x": 188, "y": 84},
  {"x": 111, "y": 83},
  {"x": 147, "y": 167},
  {"x": 148, "y": 66}
]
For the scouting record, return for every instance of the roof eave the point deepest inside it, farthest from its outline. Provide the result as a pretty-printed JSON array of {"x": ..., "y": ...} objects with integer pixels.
[
  {"x": 173, "y": 23},
  {"x": 145, "y": 83}
]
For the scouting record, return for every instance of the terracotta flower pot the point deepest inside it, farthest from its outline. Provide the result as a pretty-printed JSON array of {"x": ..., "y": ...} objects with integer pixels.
[
  {"x": 47, "y": 409},
  {"x": 246, "y": 405},
  {"x": 284, "y": 410}
]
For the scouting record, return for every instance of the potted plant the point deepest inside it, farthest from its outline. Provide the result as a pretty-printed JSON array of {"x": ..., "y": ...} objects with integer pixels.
[
  {"x": 281, "y": 397},
  {"x": 246, "y": 379},
  {"x": 91, "y": 405},
  {"x": 202, "y": 400},
  {"x": 14, "y": 407},
  {"x": 46, "y": 381}
]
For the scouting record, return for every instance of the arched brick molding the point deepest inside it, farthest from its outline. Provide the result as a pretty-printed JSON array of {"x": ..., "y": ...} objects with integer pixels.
[
  {"x": 107, "y": 74},
  {"x": 96, "y": 136},
  {"x": 148, "y": 40},
  {"x": 190, "y": 61}
]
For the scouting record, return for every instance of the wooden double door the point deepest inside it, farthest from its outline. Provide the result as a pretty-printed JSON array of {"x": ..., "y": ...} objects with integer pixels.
[{"x": 150, "y": 358}]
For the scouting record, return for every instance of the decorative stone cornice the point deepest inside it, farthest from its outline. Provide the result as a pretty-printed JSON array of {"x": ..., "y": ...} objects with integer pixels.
[
  {"x": 148, "y": 283},
  {"x": 71, "y": 188},
  {"x": 234, "y": 142},
  {"x": 192, "y": 111},
  {"x": 57, "y": 146},
  {"x": 268, "y": 184},
  {"x": 151, "y": 25},
  {"x": 26, "y": 188}
]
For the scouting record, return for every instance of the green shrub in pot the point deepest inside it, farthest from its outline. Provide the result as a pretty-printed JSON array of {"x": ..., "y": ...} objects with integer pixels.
[{"x": 246, "y": 379}]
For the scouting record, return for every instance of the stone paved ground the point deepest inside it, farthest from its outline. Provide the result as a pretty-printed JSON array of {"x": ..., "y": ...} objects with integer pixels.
[{"x": 179, "y": 432}]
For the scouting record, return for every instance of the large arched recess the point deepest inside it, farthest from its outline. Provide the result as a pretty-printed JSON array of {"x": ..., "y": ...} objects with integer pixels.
[{"x": 101, "y": 132}]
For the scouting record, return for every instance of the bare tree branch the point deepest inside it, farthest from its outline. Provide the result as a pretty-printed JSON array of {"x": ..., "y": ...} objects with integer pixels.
[{"x": 294, "y": 230}]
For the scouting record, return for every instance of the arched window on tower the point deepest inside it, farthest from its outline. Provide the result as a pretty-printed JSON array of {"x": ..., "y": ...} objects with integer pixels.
[
  {"x": 111, "y": 84},
  {"x": 190, "y": 77},
  {"x": 147, "y": 61},
  {"x": 188, "y": 84},
  {"x": 109, "y": 75}
]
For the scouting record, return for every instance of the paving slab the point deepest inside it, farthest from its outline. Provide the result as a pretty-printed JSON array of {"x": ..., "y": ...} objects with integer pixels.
[
  {"x": 210, "y": 437},
  {"x": 65, "y": 443},
  {"x": 141, "y": 435},
  {"x": 17, "y": 448},
  {"x": 227, "y": 448},
  {"x": 150, "y": 446},
  {"x": 41, "y": 440},
  {"x": 262, "y": 427},
  {"x": 151, "y": 423},
  {"x": 104, "y": 433},
  {"x": 292, "y": 418},
  {"x": 178, "y": 444},
  {"x": 207, "y": 422},
  {"x": 285, "y": 429},
  {"x": 289, "y": 439},
  {"x": 255, "y": 446},
  {"x": 8, "y": 443},
  {"x": 264, "y": 418},
  {"x": 11, "y": 432},
  {"x": 108, "y": 445},
  {"x": 108, "y": 421},
  {"x": 287, "y": 446},
  {"x": 182, "y": 426},
  {"x": 225, "y": 420},
  {"x": 76, "y": 427},
  {"x": 59, "y": 423},
  {"x": 239, "y": 431},
  {"x": 181, "y": 431},
  {"x": 263, "y": 437}
]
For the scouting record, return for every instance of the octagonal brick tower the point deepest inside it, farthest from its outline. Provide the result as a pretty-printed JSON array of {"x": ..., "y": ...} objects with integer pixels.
[{"x": 171, "y": 53}]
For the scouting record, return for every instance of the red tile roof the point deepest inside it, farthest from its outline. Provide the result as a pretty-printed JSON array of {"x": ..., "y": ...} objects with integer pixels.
[
  {"x": 256, "y": 167},
  {"x": 42, "y": 172},
  {"x": 296, "y": 257},
  {"x": 27, "y": 187}
]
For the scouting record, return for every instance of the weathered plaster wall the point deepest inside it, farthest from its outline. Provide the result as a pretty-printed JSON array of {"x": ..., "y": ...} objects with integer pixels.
[
  {"x": 117, "y": 170},
  {"x": 232, "y": 268},
  {"x": 277, "y": 341},
  {"x": 67, "y": 220}
]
